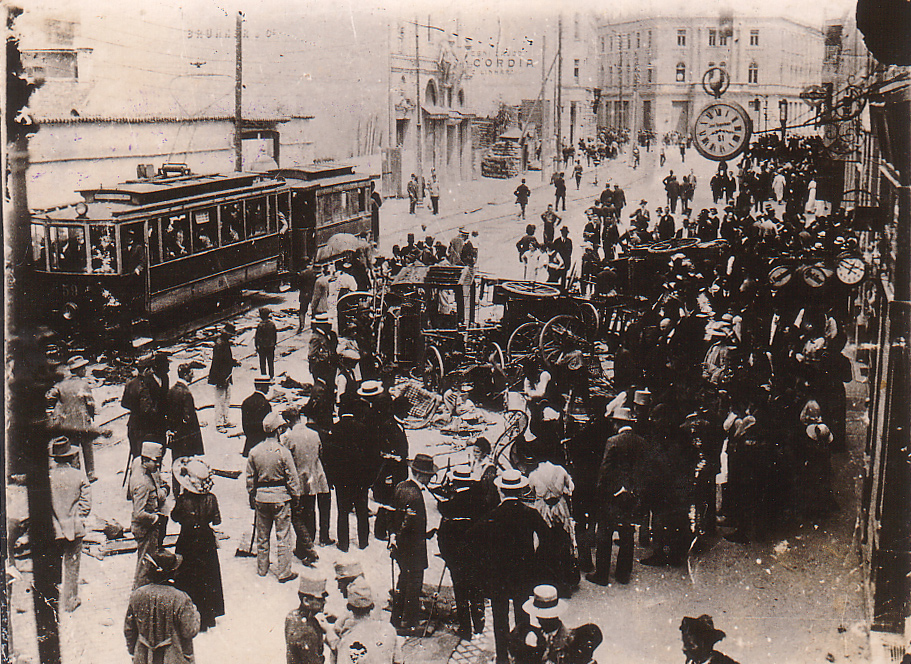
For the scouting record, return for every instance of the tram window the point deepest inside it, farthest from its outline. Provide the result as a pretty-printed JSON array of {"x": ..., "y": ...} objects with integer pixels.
[
  {"x": 154, "y": 248},
  {"x": 272, "y": 214},
  {"x": 354, "y": 202},
  {"x": 68, "y": 248},
  {"x": 39, "y": 245},
  {"x": 232, "y": 223},
  {"x": 103, "y": 243},
  {"x": 256, "y": 217},
  {"x": 133, "y": 247},
  {"x": 205, "y": 236},
  {"x": 175, "y": 236},
  {"x": 362, "y": 199}
]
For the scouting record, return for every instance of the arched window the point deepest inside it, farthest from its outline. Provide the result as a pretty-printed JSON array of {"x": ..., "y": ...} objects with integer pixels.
[
  {"x": 681, "y": 72},
  {"x": 431, "y": 94},
  {"x": 461, "y": 98},
  {"x": 753, "y": 73}
]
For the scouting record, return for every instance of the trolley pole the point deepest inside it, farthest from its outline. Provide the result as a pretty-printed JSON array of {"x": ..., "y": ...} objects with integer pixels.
[{"x": 238, "y": 91}]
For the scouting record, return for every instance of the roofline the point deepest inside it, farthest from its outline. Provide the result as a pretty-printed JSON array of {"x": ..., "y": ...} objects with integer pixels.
[
  {"x": 674, "y": 17},
  {"x": 164, "y": 118}
]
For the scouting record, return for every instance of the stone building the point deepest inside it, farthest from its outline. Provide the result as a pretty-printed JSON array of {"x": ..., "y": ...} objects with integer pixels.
[{"x": 651, "y": 69}]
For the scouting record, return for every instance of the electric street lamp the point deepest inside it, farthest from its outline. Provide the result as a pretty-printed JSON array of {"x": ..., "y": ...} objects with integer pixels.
[{"x": 783, "y": 117}]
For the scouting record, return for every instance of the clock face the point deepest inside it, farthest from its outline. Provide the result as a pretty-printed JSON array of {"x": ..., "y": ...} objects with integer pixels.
[
  {"x": 779, "y": 276},
  {"x": 815, "y": 276},
  {"x": 722, "y": 131},
  {"x": 850, "y": 269}
]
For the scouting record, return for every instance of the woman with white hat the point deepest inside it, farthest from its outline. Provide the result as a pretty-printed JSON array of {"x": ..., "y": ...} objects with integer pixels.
[{"x": 196, "y": 510}]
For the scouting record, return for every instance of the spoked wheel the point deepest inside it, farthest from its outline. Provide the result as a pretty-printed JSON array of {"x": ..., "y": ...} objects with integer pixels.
[
  {"x": 523, "y": 342},
  {"x": 562, "y": 339},
  {"x": 516, "y": 423},
  {"x": 433, "y": 370},
  {"x": 530, "y": 289},
  {"x": 348, "y": 305},
  {"x": 498, "y": 355}
]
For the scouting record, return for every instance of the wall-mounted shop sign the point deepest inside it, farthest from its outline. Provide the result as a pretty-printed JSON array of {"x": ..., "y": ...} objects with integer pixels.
[{"x": 484, "y": 62}]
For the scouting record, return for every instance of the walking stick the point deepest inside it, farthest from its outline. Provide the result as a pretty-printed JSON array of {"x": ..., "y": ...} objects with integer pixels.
[
  {"x": 436, "y": 596},
  {"x": 129, "y": 469}
]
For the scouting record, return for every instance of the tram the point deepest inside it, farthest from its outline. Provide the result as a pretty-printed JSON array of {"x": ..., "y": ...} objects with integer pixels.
[{"x": 141, "y": 249}]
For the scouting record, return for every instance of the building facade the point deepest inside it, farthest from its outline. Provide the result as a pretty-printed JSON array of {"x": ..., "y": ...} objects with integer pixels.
[{"x": 651, "y": 70}]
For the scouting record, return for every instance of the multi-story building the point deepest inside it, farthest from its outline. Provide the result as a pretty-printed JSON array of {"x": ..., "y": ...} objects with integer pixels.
[{"x": 652, "y": 68}]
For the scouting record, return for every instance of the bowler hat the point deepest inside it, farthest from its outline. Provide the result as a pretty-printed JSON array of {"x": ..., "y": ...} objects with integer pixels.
[
  {"x": 702, "y": 629},
  {"x": 61, "y": 448},
  {"x": 423, "y": 464},
  {"x": 544, "y": 603},
  {"x": 163, "y": 564},
  {"x": 315, "y": 586},
  {"x": 511, "y": 480},
  {"x": 152, "y": 450}
]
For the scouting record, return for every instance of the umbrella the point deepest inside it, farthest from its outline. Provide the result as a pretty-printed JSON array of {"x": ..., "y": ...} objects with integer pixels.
[{"x": 340, "y": 243}]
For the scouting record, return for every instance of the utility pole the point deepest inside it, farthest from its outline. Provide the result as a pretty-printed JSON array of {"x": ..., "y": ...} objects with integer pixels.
[
  {"x": 620, "y": 115},
  {"x": 417, "y": 96},
  {"x": 238, "y": 91},
  {"x": 544, "y": 115},
  {"x": 559, "y": 154}
]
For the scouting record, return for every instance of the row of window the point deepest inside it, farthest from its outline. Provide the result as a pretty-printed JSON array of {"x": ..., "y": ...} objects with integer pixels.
[
  {"x": 679, "y": 71},
  {"x": 169, "y": 237},
  {"x": 625, "y": 41}
]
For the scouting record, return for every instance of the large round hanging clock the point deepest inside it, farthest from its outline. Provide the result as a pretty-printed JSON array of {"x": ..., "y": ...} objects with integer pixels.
[
  {"x": 850, "y": 269},
  {"x": 722, "y": 131}
]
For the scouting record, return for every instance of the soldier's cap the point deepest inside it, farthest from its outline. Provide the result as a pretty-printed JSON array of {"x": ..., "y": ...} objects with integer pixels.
[
  {"x": 273, "y": 422},
  {"x": 346, "y": 568},
  {"x": 152, "y": 450},
  {"x": 359, "y": 594},
  {"x": 314, "y": 586},
  {"x": 61, "y": 448}
]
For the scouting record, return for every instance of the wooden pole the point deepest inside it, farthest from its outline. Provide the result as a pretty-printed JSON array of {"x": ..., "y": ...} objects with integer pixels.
[
  {"x": 559, "y": 155},
  {"x": 238, "y": 91},
  {"x": 417, "y": 109}
]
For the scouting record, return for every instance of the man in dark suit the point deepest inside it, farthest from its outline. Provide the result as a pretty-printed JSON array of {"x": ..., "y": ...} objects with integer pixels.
[
  {"x": 465, "y": 507},
  {"x": 505, "y": 544},
  {"x": 183, "y": 424},
  {"x": 408, "y": 543},
  {"x": 306, "y": 280},
  {"x": 144, "y": 396},
  {"x": 621, "y": 488},
  {"x": 345, "y": 460},
  {"x": 253, "y": 411}
]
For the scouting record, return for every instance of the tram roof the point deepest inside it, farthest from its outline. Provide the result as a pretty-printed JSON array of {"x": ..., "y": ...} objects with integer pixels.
[
  {"x": 441, "y": 275},
  {"x": 162, "y": 188}
]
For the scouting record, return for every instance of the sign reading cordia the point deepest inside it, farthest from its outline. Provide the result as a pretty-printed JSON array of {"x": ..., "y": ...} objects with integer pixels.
[{"x": 505, "y": 62}]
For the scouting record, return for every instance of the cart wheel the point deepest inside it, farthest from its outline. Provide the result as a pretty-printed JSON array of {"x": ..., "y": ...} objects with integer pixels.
[
  {"x": 589, "y": 314},
  {"x": 433, "y": 370},
  {"x": 516, "y": 422},
  {"x": 560, "y": 336},
  {"x": 499, "y": 355},
  {"x": 523, "y": 341},
  {"x": 530, "y": 289}
]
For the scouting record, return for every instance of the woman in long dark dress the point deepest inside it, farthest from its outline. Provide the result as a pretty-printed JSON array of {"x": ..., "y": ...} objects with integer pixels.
[{"x": 196, "y": 510}]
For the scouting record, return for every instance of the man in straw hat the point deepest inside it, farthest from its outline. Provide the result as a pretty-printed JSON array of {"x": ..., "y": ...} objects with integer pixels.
[
  {"x": 161, "y": 620},
  {"x": 367, "y": 639},
  {"x": 304, "y": 637},
  {"x": 408, "y": 542},
  {"x": 465, "y": 507},
  {"x": 545, "y": 606},
  {"x": 253, "y": 410},
  {"x": 619, "y": 486},
  {"x": 73, "y": 409},
  {"x": 71, "y": 498},
  {"x": 273, "y": 484},
  {"x": 506, "y": 556},
  {"x": 148, "y": 493},
  {"x": 699, "y": 638}
]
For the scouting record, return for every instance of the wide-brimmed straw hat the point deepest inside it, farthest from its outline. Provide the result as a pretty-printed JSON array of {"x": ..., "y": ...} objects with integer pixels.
[
  {"x": 544, "y": 603},
  {"x": 370, "y": 388},
  {"x": 193, "y": 474}
]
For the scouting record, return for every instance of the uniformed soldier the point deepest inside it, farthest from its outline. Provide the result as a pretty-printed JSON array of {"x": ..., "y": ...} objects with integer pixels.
[{"x": 304, "y": 637}]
